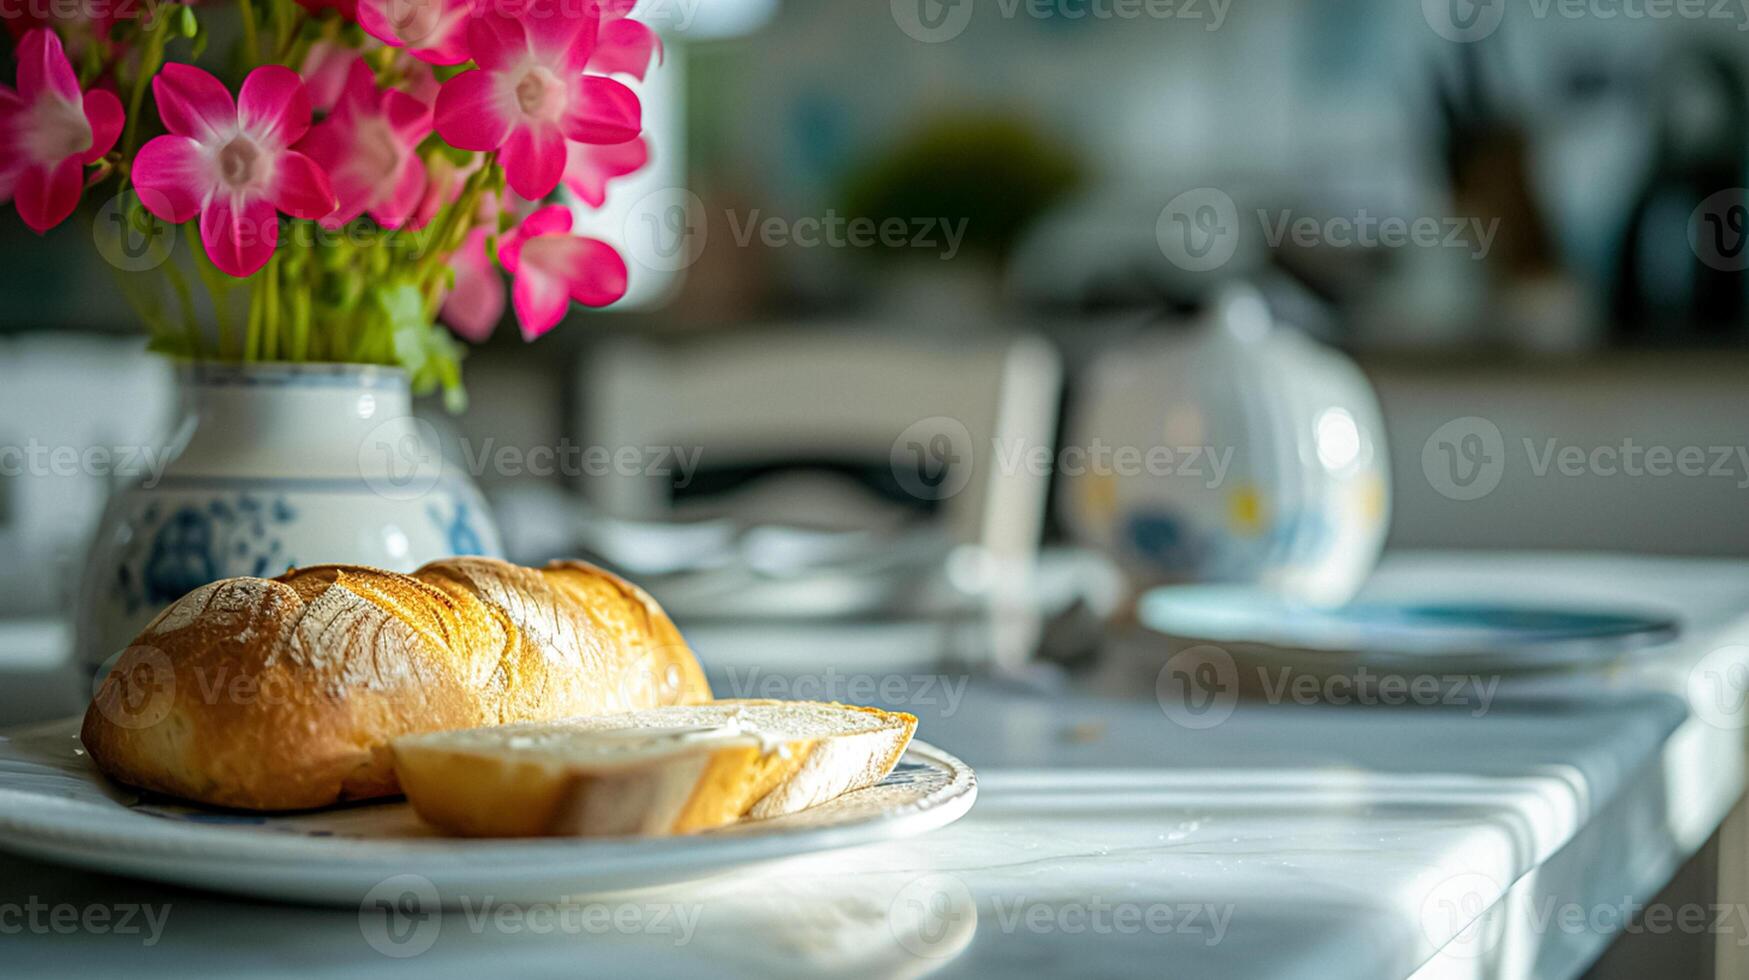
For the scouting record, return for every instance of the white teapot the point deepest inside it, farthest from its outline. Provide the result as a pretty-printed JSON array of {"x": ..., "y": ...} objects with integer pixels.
[{"x": 1237, "y": 451}]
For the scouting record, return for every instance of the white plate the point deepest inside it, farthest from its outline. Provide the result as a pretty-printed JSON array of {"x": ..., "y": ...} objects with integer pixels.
[
  {"x": 55, "y": 806},
  {"x": 1404, "y": 635}
]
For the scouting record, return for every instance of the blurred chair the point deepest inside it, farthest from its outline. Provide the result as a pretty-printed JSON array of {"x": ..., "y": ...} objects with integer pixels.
[{"x": 943, "y": 421}]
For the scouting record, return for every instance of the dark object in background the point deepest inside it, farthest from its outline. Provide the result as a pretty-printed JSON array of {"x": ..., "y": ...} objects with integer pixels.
[
  {"x": 1486, "y": 153},
  {"x": 1686, "y": 244},
  {"x": 996, "y": 173}
]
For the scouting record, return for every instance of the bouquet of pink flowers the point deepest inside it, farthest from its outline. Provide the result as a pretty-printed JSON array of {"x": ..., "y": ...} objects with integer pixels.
[{"x": 374, "y": 166}]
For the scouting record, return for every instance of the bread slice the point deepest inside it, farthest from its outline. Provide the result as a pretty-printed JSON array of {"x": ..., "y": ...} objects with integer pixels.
[{"x": 669, "y": 770}]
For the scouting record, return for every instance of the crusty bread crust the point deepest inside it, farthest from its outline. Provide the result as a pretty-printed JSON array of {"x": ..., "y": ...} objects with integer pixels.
[{"x": 281, "y": 694}]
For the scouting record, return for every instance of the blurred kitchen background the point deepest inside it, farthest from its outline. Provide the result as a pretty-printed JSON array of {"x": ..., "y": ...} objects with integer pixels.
[{"x": 1531, "y": 216}]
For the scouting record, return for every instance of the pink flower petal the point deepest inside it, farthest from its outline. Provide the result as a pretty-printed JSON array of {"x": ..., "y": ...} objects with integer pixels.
[
  {"x": 45, "y": 196},
  {"x": 496, "y": 42},
  {"x": 550, "y": 220},
  {"x": 476, "y": 303},
  {"x": 409, "y": 117},
  {"x": 534, "y": 160},
  {"x": 469, "y": 114},
  {"x": 104, "y": 113},
  {"x": 43, "y": 68},
  {"x": 402, "y": 201},
  {"x": 300, "y": 187},
  {"x": 192, "y": 102},
  {"x": 626, "y": 46},
  {"x": 559, "y": 268},
  {"x": 593, "y": 272},
  {"x": 172, "y": 176},
  {"x": 360, "y": 89},
  {"x": 326, "y": 69},
  {"x": 554, "y": 219},
  {"x": 601, "y": 110},
  {"x": 541, "y": 300},
  {"x": 274, "y": 105},
  {"x": 239, "y": 235},
  {"x": 588, "y": 167},
  {"x": 563, "y": 36},
  {"x": 435, "y": 31}
]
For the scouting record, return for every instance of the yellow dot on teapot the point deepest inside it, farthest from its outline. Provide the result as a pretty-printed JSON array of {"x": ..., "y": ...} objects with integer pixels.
[{"x": 1245, "y": 511}]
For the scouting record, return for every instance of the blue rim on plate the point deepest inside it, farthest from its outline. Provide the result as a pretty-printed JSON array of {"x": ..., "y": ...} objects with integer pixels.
[{"x": 1506, "y": 636}]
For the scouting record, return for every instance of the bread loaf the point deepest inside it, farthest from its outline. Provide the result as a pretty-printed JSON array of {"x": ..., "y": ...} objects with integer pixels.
[
  {"x": 278, "y": 694},
  {"x": 671, "y": 770}
]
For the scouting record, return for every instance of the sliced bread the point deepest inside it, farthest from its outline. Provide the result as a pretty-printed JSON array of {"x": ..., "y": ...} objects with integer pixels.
[{"x": 670, "y": 770}]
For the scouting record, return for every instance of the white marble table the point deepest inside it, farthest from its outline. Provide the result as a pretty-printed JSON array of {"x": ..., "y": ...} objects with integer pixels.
[{"x": 1288, "y": 841}]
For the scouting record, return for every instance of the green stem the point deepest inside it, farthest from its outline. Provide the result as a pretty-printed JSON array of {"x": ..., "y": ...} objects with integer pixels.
[
  {"x": 251, "y": 42},
  {"x": 272, "y": 308},
  {"x": 150, "y": 61},
  {"x": 190, "y": 325},
  {"x": 218, "y": 289},
  {"x": 252, "y": 333},
  {"x": 300, "y": 303}
]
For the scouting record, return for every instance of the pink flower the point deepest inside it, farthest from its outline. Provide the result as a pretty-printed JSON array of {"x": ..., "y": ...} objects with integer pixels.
[
  {"x": 444, "y": 180},
  {"x": 553, "y": 267},
  {"x": 348, "y": 8},
  {"x": 228, "y": 161},
  {"x": 49, "y": 131},
  {"x": 624, "y": 45},
  {"x": 324, "y": 71},
  {"x": 369, "y": 147},
  {"x": 434, "y": 31},
  {"x": 529, "y": 95},
  {"x": 588, "y": 168},
  {"x": 475, "y": 303}
]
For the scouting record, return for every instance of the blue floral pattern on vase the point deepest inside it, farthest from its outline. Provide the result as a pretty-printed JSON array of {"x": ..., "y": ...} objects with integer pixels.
[
  {"x": 204, "y": 542},
  {"x": 459, "y": 530}
]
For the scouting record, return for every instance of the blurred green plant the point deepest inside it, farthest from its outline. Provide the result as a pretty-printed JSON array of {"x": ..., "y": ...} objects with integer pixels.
[{"x": 998, "y": 173}]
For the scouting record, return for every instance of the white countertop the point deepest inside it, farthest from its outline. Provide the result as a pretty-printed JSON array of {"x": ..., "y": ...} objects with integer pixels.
[{"x": 1287, "y": 841}]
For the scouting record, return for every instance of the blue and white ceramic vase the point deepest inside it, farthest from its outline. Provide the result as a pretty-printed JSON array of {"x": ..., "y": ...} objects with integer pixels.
[
  {"x": 274, "y": 466},
  {"x": 1237, "y": 451}
]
